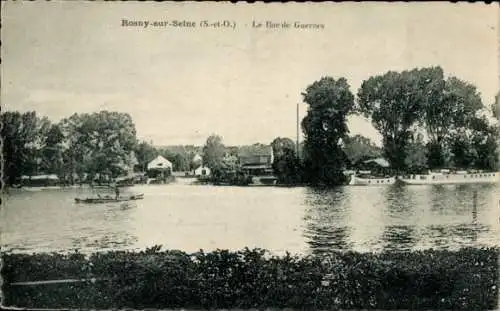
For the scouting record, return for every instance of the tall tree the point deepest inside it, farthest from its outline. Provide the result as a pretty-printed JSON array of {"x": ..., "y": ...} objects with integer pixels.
[
  {"x": 20, "y": 133},
  {"x": 213, "y": 152},
  {"x": 448, "y": 115},
  {"x": 479, "y": 144},
  {"x": 324, "y": 126},
  {"x": 101, "y": 142},
  {"x": 395, "y": 102}
]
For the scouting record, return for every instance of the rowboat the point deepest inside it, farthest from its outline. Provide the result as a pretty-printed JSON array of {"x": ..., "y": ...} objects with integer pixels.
[{"x": 109, "y": 199}]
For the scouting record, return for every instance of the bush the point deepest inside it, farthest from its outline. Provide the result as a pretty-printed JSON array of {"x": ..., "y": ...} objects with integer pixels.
[{"x": 466, "y": 279}]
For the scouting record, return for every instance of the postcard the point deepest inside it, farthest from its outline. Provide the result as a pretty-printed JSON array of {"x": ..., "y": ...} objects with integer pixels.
[{"x": 189, "y": 155}]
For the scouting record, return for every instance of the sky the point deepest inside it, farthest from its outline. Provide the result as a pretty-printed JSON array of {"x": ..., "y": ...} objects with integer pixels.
[{"x": 182, "y": 84}]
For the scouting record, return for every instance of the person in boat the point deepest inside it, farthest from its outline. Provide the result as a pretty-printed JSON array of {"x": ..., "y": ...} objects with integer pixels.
[{"x": 117, "y": 192}]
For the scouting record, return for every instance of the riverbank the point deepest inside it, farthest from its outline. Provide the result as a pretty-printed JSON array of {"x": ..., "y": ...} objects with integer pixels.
[{"x": 464, "y": 279}]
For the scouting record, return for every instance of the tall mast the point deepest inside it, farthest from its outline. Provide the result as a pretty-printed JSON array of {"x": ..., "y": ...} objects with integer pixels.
[{"x": 297, "y": 144}]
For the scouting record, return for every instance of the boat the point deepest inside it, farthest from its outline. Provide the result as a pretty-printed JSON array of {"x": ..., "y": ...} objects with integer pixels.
[
  {"x": 371, "y": 180},
  {"x": 109, "y": 199},
  {"x": 444, "y": 177}
]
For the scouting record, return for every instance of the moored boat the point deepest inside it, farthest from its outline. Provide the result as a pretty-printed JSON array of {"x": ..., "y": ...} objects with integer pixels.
[
  {"x": 444, "y": 178},
  {"x": 371, "y": 181},
  {"x": 109, "y": 199}
]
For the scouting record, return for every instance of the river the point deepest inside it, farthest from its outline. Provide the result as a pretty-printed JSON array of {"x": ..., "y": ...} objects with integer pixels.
[{"x": 299, "y": 220}]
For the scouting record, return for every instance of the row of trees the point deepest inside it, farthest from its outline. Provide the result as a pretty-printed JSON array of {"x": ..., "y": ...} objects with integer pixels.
[
  {"x": 97, "y": 143},
  {"x": 425, "y": 120},
  {"x": 101, "y": 143}
]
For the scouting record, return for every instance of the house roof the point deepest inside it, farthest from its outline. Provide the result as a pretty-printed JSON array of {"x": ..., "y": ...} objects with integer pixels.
[
  {"x": 159, "y": 163},
  {"x": 255, "y": 150},
  {"x": 379, "y": 161}
]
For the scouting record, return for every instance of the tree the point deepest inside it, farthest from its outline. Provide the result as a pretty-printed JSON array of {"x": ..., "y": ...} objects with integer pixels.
[
  {"x": 100, "y": 143},
  {"x": 359, "y": 148},
  {"x": 286, "y": 165},
  {"x": 52, "y": 152},
  {"x": 180, "y": 163},
  {"x": 330, "y": 101},
  {"x": 487, "y": 152},
  {"x": 279, "y": 146},
  {"x": 479, "y": 141},
  {"x": 416, "y": 157},
  {"x": 447, "y": 114},
  {"x": 145, "y": 153},
  {"x": 395, "y": 102},
  {"x": 213, "y": 152},
  {"x": 182, "y": 157},
  {"x": 20, "y": 133}
]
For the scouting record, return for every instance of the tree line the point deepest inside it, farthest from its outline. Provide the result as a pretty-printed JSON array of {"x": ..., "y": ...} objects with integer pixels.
[
  {"x": 92, "y": 144},
  {"x": 426, "y": 121}
]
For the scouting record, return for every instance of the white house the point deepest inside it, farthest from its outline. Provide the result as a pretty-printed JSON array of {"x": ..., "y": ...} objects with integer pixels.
[
  {"x": 160, "y": 163},
  {"x": 202, "y": 171},
  {"x": 159, "y": 169}
]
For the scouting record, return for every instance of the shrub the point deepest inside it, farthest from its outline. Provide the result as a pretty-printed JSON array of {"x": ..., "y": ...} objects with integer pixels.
[{"x": 466, "y": 279}]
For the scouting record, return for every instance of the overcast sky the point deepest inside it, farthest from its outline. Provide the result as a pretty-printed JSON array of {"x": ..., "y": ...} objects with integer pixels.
[{"x": 182, "y": 84}]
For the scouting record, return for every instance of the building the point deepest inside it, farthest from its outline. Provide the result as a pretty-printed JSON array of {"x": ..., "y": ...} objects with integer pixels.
[
  {"x": 202, "y": 171},
  {"x": 257, "y": 161},
  {"x": 159, "y": 168},
  {"x": 378, "y": 166}
]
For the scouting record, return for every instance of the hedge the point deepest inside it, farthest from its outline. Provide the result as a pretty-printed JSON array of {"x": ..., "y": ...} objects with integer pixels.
[{"x": 430, "y": 279}]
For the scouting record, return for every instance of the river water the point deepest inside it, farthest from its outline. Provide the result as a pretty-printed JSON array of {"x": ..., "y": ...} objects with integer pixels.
[{"x": 299, "y": 220}]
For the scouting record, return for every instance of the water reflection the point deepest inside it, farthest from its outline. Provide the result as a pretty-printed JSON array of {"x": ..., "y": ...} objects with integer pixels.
[
  {"x": 400, "y": 201},
  {"x": 397, "y": 237},
  {"x": 49, "y": 220},
  {"x": 299, "y": 220},
  {"x": 326, "y": 220},
  {"x": 401, "y": 218}
]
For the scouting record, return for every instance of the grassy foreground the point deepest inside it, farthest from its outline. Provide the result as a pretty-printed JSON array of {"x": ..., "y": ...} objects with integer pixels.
[{"x": 464, "y": 279}]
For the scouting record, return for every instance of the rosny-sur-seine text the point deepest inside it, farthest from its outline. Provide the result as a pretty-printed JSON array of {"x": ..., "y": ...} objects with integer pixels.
[{"x": 178, "y": 23}]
